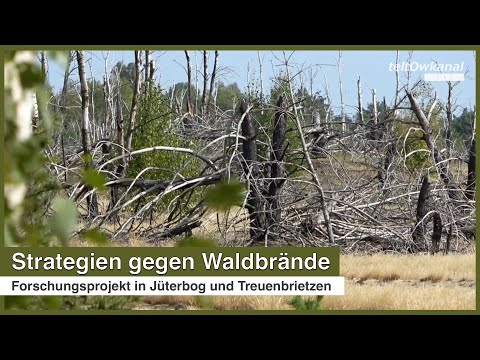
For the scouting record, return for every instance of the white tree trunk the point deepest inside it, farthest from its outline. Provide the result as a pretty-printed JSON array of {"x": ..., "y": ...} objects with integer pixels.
[{"x": 360, "y": 106}]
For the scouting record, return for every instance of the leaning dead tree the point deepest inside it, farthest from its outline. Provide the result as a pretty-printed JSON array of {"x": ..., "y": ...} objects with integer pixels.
[{"x": 440, "y": 162}]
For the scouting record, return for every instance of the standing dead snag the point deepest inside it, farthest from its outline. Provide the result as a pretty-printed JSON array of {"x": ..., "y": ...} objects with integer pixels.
[
  {"x": 389, "y": 154},
  {"x": 437, "y": 232},
  {"x": 449, "y": 123},
  {"x": 360, "y": 106},
  {"x": 189, "y": 84},
  {"x": 205, "y": 81},
  {"x": 92, "y": 199},
  {"x": 212, "y": 80},
  {"x": 470, "y": 190},
  {"x": 251, "y": 171},
  {"x": 440, "y": 162},
  {"x": 419, "y": 230},
  {"x": 277, "y": 173}
]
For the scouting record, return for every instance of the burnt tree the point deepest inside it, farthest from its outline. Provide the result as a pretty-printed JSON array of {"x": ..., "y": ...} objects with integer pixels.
[
  {"x": 437, "y": 232},
  {"x": 419, "y": 230},
  {"x": 251, "y": 171},
  {"x": 470, "y": 190},
  {"x": 276, "y": 170}
]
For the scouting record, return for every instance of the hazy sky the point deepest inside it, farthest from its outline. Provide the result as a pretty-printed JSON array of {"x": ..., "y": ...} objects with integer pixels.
[{"x": 372, "y": 66}]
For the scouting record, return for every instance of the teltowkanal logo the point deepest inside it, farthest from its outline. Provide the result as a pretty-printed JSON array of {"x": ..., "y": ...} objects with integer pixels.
[{"x": 432, "y": 71}]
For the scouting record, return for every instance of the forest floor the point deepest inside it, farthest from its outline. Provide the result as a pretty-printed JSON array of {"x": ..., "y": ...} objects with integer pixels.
[{"x": 373, "y": 282}]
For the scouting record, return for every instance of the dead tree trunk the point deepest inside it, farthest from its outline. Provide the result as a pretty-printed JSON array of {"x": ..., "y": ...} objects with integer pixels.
[
  {"x": 419, "y": 231},
  {"x": 205, "y": 80},
  {"x": 106, "y": 99},
  {"x": 449, "y": 238},
  {"x": 437, "y": 232},
  {"x": 119, "y": 172},
  {"x": 360, "y": 107},
  {"x": 389, "y": 153},
  {"x": 440, "y": 162},
  {"x": 277, "y": 172},
  {"x": 63, "y": 108},
  {"x": 342, "y": 104},
  {"x": 133, "y": 109},
  {"x": 65, "y": 87},
  {"x": 470, "y": 190},
  {"x": 44, "y": 64},
  {"x": 189, "y": 84},
  {"x": 212, "y": 80},
  {"x": 397, "y": 86},
  {"x": 147, "y": 71},
  {"x": 92, "y": 199},
  {"x": 375, "y": 115},
  {"x": 326, "y": 215},
  {"x": 449, "y": 124},
  {"x": 151, "y": 74},
  {"x": 251, "y": 172}
]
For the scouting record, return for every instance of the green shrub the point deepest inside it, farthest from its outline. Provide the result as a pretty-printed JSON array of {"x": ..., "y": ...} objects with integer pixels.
[
  {"x": 302, "y": 303},
  {"x": 154, "y": 127}
]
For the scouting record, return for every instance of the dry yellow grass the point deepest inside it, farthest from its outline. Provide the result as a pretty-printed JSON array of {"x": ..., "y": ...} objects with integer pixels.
[
  {"x": 409, "y": 267},
  {"x": 367, "y": 296},
  {"x": 391, "y": 282},
  {"x": 226, "y": 302},
  {"x": 402, "y": 296}
]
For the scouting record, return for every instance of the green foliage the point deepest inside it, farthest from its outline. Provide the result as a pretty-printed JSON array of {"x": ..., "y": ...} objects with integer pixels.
[
  {"x": 33, "y": 302},
  {"x": 64, "y": 218},
  {"x": 70, "y": 302},
  {"x": 301, "y": 303},
  {"x": 98, "y": 302},
  {"x": 179, "y": 94},
  {"x": 95, "y": 236},
  {"x": 462, "y": 125},
  {"x": 154, "y": 127},
  {"x": 228, "y": 96},
  {"x": 225, "y": 195},
  {"x": 414, "y": 142},
  {"x": 205, "y": 302},
  {"x": 95, "y": 179},
  {"x": 24, "y": 167}
]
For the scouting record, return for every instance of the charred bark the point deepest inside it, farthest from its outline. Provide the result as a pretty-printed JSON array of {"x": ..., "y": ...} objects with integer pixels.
[
  {"x": 419, "y": 232},
  {"x": 252, "y": 174},
  {"x": 470, "y": 190},
  {"x": 437, "y": 232},
  {"x": 277, "y": 172}
]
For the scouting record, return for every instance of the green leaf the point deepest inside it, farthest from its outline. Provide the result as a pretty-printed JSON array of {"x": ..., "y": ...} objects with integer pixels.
[
  {"x": 95, "y": 236},
  {"x": 8, "y": 242},
  {"x": 52, "y": 302},
  {"x": 65, "y": 218},
  {"x": 30, "y": 75},
  {"x": 87, "y": 158},
  {"x": 196, "y": 242},
  {"x": 61, "y": 57},
  {"x": 95, "y": 179},
  {"x": 204, "y": 302},
  {"x": 225, "y": 195}
]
